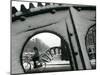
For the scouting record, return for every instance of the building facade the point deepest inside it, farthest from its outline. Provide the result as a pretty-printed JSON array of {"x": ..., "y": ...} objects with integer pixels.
[{"x": 74, "y": 24}]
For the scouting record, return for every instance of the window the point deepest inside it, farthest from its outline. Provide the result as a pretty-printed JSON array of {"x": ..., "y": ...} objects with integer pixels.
[
  {"x": 46, "y": 52},
  {"x": 91, "y": 45}
]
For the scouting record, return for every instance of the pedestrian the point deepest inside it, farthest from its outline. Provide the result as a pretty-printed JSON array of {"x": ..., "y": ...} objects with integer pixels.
[{"x": 36, "y": 58}]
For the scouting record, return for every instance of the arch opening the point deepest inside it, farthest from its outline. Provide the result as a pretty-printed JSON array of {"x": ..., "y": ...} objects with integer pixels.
[
  {"x": 45, "y": 52},
  {"x": 90, "y": 41}
]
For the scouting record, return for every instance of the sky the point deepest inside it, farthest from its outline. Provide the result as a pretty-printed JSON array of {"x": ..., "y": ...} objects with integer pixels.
[
  {"x": 17, "y": 4},
  {"x": 49, "y": 39}
]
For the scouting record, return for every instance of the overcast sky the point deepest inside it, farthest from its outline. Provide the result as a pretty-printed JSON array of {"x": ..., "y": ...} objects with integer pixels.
[
  {"x": 49, "y": 39},
  {"x": 17, "y": 4}
]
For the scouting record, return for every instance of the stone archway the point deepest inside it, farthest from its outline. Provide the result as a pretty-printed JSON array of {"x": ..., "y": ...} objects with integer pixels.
[
  {"x": 90, "y": 41},
  {"x": 52, "y": 52}
]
